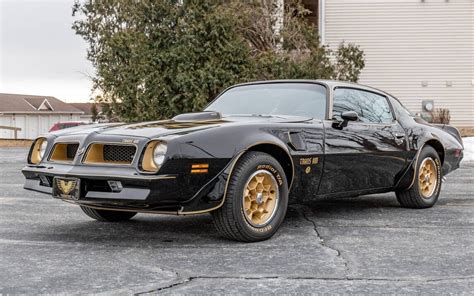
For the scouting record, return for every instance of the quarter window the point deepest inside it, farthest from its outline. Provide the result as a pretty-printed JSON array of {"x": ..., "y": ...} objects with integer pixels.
[{"x": 370, "y": 107}]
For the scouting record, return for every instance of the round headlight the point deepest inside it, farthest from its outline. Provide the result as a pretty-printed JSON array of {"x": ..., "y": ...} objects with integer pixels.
[
  {"x": 42, "y": 149},
  {"x": 159, "y": 153},
  {"x": 38, "y": 151}
]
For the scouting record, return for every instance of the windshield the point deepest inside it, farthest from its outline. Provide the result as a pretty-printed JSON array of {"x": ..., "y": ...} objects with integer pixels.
[{"x": 297, "y": 99}]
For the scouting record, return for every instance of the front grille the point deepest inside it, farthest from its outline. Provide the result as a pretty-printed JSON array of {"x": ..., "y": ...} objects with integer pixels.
[
  {"x": 71, "y": 150},
  {"x": 114, "y": 153},
  {"x": 99, "y": 153},
  {"x": 64, "y": 152}
]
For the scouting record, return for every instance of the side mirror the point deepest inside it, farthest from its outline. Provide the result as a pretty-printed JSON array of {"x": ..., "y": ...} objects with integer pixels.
[
  {"x": 346, "y": 117},
  {"x": 350, "y": 116}
]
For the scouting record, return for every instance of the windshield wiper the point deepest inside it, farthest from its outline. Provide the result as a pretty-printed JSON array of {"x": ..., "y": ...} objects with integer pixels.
[
  {"x": 268, "y": 116},
  {"x": 282, "y": 116}
]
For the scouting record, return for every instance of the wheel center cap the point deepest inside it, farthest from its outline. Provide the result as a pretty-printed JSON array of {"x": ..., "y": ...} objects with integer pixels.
[
  {"x": 259, "y": 198},
  {"x": 427, "y": 178}
]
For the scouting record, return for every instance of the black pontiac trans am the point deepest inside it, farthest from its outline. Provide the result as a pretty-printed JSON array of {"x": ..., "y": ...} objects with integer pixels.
[{"x": 254, "y": 148}]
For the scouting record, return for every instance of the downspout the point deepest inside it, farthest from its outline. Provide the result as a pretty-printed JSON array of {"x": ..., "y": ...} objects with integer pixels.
[{"x": 322, "y": 21}]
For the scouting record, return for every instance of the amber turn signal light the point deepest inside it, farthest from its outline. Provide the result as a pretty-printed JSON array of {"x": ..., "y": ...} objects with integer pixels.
[{"x": 200, "y": 168}]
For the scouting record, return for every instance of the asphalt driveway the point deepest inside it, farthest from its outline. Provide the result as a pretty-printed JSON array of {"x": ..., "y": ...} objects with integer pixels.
[{"x": 359, "y": 245}]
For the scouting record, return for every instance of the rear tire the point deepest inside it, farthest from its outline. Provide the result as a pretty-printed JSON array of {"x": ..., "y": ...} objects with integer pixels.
[
  {"x": 106, "y": 215},
  {"x": 427, "y": 184},
  {"x": 256, "y": 199}
]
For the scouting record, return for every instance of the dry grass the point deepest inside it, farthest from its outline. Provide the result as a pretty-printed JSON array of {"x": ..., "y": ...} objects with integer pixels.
[
  {"x": 466, "y": 131},
  {"x": 15, "y": 143}
]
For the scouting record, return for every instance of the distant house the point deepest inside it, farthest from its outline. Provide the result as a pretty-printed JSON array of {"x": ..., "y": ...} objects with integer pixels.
[
  {"x": 33, "y": 114},
  {"x": 87, "y": 109}
]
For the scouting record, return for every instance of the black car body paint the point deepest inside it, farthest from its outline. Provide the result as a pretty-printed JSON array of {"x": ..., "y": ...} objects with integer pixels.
[{"x": 319, "y": 157}]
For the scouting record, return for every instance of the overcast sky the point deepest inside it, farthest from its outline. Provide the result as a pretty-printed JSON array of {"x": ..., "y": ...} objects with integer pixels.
[{"x": 39, "y": 52}]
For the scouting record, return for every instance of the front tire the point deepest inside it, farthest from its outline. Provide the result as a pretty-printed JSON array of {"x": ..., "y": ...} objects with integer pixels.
[
  {"x": 427, "y": 184},
  {"x": 108, "y": 216},
  {"x": 256, "y": 199}
]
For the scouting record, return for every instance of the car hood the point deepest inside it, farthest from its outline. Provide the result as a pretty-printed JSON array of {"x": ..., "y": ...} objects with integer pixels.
[{"x": 155, "y": 129}]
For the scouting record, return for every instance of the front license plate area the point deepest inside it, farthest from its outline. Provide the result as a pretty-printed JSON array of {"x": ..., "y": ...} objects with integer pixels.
[{"x": 68, "y": 188}]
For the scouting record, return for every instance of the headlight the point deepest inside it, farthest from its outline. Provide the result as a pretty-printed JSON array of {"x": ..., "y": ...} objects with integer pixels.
[
  {"x": 154, "y": 156},
  {"x": 42, "y": 149},
  {"x": 38, "y": 151},
  {"x": 159, "y": 153}
]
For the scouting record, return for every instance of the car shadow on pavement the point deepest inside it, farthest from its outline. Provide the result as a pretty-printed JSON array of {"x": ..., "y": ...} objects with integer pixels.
[
  {"x": 334, "y": 207},
  {"x": 163, "y": 230}
]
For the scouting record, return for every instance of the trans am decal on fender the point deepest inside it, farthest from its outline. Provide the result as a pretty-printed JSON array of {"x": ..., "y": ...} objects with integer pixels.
[{"x": 253, "y": 148}]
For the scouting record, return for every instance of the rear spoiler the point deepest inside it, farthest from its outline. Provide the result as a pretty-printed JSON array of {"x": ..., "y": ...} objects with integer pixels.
[{"x": 450, "y": 130}]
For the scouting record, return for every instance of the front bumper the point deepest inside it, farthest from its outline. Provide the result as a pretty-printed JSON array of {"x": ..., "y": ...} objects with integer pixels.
[{"x": 139, "y": 191}]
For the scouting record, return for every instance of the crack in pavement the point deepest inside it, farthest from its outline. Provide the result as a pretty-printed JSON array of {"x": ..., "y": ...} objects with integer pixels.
[
  {"x": 398, "y": 227},
  {"x": 321, "y": 239},
  {"x": 461, "y": 278},
  {"x": 160, "y": 289},
  {"x": 413, "y": 280}
]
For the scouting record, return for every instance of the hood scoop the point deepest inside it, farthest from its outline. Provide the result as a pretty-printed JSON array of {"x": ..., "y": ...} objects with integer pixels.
[{"x": 206, "y": 115}]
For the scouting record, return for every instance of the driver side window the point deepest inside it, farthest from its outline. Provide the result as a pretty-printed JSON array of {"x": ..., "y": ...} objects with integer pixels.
[{"x": 371, "y": 107}]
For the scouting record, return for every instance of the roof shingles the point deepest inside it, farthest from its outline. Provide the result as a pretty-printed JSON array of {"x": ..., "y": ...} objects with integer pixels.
[
  {"x": 15, "y": 103},
  {"x": 86, "y": 107}
]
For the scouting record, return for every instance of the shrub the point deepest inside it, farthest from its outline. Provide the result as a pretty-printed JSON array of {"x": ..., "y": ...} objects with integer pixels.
[
  {"x": 158, "y": 58},
  {"x": 440, "y": 115}
]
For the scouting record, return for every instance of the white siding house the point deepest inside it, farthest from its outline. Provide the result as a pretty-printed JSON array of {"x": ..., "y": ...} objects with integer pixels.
[
  {"x": 87, "y": 109},
  {"x": 34, "y": 115},
  {"x": 415, "y": 49}
]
